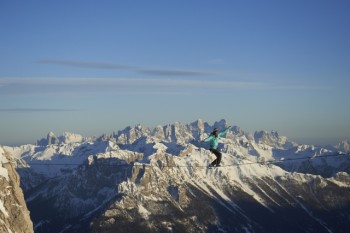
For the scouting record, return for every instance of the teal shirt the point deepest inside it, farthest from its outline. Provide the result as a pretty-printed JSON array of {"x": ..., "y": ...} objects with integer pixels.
[{"x": 214, "y": 141}]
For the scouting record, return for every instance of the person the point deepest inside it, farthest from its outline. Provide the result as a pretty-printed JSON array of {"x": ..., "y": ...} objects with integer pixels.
[{"x": 214, "y": 142}]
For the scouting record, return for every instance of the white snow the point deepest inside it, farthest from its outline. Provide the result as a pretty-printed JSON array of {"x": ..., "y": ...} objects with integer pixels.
[
  {"x": 3, "y": 160},
  {"x": 3, "y": 210},
  {"x": 143, "y": 211},
  {"x": 71, "y": 138},
  {"x": 337, "y": 181},
  {"x": 7, "y": 227}
]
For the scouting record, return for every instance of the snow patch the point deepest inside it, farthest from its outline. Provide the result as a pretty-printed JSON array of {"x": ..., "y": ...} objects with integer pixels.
[
  {"x": 3, "y": 210},
  {"x": 3, "y": 170},
  {"x": 144, "y": 212}
]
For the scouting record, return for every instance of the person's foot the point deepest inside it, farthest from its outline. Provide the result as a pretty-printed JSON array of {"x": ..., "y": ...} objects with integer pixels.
[{"x": 210, "y": 166}]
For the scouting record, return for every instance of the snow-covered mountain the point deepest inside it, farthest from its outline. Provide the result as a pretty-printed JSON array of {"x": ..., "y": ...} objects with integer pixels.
[{"x": 157, "y": 180}]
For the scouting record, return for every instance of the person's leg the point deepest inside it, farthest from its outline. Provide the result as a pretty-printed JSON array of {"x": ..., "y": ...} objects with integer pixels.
[
  {"x": 214, "y": 162},
  {"x": 218, "y": 157}
]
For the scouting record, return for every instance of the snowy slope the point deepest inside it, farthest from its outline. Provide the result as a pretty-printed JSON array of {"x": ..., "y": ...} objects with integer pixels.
[{"x": 179, "y": 181}]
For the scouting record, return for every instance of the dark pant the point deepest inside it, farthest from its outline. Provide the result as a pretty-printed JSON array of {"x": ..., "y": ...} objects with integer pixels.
[{"x": 218, "y": 156}]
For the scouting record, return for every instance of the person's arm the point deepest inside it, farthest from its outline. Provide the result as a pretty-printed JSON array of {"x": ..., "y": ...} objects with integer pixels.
[
  {"x": 208, "y": 138},
  {"x": 223, "y": 133}
]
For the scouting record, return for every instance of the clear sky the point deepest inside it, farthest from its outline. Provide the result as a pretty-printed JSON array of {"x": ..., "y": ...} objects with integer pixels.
[{"x": 94, "y": 67}]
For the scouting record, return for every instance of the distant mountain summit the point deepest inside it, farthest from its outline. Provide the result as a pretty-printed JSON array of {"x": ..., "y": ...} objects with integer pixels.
[
  {"x": 344, "y": 146},
  {"x": 66, "y": 138},
  {"x": 157, "y": 180},
  {"x": 273, "y": 139}
]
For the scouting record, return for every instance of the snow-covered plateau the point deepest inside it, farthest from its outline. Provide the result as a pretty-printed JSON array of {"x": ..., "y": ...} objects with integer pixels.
[{"x": 158, "y": 180}]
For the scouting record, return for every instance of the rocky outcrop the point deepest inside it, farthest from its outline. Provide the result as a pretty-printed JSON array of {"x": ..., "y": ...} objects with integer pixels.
[{"x": 14, "y": 215}]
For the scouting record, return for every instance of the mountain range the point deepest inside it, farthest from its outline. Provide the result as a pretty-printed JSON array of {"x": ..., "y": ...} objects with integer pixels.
[{"x": 157, "y": 180}]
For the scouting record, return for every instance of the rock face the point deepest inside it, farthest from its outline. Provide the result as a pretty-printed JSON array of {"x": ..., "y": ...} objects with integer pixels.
[{"x": 14, "y": 215}]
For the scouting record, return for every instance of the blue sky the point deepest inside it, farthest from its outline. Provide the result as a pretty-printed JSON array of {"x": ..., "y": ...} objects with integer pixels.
[{"x": 94, "y": 67}]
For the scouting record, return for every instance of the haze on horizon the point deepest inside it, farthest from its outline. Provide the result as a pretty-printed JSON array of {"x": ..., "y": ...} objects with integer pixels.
[{"x": 92, "y": 67}]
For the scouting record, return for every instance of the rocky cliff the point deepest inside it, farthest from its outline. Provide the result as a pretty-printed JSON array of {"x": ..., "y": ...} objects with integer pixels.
[{"x": 14, "y": 215}]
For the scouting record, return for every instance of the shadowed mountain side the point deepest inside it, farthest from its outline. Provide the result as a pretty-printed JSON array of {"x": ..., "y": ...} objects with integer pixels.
[{"x": 205, "y": 213}]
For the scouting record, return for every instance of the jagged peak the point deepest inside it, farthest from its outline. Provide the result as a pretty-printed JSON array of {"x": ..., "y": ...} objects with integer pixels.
[
  {"x": 237, "y": 130},
  {"x": 137, "y": 127},
  {"x": 264, "y": 133},
  {"x": 220, "y": 124},
  {"x": 198, "y": 123},
  {"x": 66, "y": 137},
  {"x": 51, "y": 134},
  {"x": 131, "y": 134},
  {"x": 69, "y": 137},
  {"x": 175, "y": 132},
  {"x": 273, "y": 138},
  {"x": 344, "y": 146}
]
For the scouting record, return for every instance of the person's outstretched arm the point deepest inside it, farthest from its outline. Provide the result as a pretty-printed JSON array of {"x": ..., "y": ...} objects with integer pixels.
[
  {"x": 208, "y": 138},
  {"x": 223, "y": 133}
]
